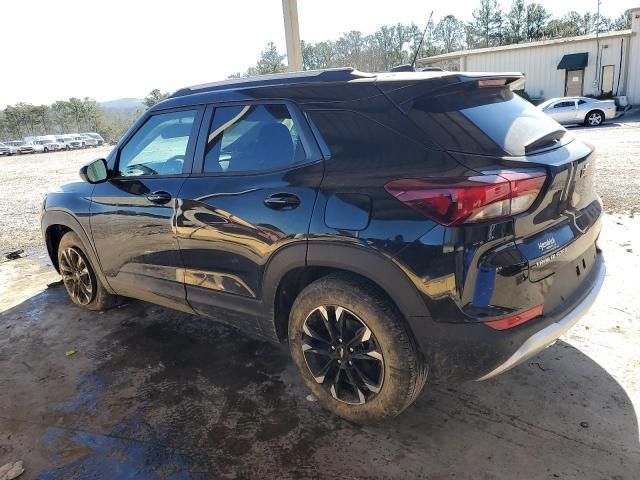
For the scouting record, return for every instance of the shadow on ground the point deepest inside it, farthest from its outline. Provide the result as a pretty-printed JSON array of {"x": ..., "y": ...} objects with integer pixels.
[{"x": 152, "y": 393}]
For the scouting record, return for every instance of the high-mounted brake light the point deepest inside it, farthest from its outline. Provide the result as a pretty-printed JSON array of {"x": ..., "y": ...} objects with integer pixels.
[
  {"x": 457, "y": 200},
  {"x": 492, "y": 82}
]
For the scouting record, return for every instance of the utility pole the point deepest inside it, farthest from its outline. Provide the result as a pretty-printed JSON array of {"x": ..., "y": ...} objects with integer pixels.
[{"x": 292, "y": 33}]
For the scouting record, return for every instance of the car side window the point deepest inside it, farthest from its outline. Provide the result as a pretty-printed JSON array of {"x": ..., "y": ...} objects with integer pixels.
[
  {"x": 581, "y": 102},
  {"x": 247, "y": 138},
  {"x": 564, "y": 104},
  {"x": 158, "y": 147}
]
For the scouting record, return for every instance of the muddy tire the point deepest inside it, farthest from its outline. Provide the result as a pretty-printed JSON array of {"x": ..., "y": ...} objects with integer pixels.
[
  {"x": 354, "y": 350},
  {"x": 79, "y": 278}
]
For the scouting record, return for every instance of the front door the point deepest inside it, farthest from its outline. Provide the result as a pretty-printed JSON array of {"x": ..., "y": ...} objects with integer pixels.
[
  {"x": 251, "y": 195},
  {"x": 573, "y": 83},
  {"x": 564, "y": 111},
  {"x": 133, "y": 213},
  {"x": 607, "y": 79}
]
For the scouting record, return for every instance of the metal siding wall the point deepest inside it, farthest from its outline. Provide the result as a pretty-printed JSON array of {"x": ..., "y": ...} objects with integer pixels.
[
  {"x": 633, "y": 90},
  {"x": 539, "y": 64}
]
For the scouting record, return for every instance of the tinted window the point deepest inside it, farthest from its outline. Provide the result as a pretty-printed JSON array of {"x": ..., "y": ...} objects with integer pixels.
[
  {"x": 581, "y": 102},
  {"x": 252, "y": 137},
  {"x": 564, "y": 104},
  {"x": 490, "y": 120},
  {"x": 159, "y": 146}
]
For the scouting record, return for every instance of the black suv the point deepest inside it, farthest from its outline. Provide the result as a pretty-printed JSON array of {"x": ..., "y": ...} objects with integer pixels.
[{"x": 390, "y": 227}]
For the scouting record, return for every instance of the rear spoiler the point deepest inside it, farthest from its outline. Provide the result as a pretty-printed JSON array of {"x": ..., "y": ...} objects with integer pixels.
[
  {"x": 514, "y": 80},
  {"x": 402, "y": 87}
]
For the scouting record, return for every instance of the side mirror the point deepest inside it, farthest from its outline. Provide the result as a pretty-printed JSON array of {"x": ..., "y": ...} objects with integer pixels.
[{"x": 95, "y": 172}]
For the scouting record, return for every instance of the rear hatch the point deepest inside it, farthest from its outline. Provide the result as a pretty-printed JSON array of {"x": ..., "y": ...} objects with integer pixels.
[{"x": 490, "y": 129}]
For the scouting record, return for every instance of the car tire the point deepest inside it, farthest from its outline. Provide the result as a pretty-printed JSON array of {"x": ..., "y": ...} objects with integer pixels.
[
  {"x": 594, "y": 118},
  {"x": 79, "y": 278},
  {"x": 46, "y": 150},
  {"x": 363, "y": 380}
]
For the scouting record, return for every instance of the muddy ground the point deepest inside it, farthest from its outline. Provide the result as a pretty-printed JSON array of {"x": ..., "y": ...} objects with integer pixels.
[{"x": 151, "y": 393}]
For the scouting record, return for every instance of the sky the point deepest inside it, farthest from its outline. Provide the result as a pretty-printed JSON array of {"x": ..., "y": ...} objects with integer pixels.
[{"x": 108, "y": 49}]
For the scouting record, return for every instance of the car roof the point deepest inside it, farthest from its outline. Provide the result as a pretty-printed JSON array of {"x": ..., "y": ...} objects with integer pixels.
[{"x": 238, "y": 87}]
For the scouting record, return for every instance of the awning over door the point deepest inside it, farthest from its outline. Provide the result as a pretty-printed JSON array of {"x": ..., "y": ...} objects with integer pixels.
[{"x": 574, "y": 61}]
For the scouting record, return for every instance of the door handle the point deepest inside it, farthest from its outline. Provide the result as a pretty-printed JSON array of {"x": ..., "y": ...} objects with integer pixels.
[
  {"x": 159, "y": 197},
  {"x": 282, "y": 201}
]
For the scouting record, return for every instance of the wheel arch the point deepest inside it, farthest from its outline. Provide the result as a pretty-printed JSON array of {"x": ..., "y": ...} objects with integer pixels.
[
  {"x": 285, "y": 278},
  {"x": 55, "y": 224},
  {"x": 595, "y": 110}
]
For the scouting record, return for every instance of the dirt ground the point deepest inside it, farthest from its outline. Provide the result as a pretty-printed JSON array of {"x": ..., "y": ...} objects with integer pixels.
[{"x": 152, "y": 393}]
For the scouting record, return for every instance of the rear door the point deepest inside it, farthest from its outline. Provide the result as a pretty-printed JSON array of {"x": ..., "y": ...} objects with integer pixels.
[
  {"x": 133, "y": 213},
  {"x": 250, "y": 196}
]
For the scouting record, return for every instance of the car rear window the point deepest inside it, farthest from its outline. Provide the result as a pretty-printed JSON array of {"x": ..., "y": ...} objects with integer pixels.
[{"x": 486, "y": 121}]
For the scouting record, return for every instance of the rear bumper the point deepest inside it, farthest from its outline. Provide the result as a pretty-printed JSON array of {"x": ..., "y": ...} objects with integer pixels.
[
  {"x": 458, "y": 352},
  {"x": 549, "y": 334}
]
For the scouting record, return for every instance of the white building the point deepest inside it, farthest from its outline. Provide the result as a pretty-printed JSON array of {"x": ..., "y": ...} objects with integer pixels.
[{"x": 585, "y": 65}]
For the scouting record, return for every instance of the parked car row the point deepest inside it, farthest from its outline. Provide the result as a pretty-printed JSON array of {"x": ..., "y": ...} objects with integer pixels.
[{"x": 51, "y": 143}]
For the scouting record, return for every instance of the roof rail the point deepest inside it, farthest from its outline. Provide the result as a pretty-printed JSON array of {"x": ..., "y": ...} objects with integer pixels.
[{"x": 342, "y": 74}]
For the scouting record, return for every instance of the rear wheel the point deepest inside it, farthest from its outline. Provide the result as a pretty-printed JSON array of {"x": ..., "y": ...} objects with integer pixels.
[
  {"x": 354, "y": 350},
  {"x": 78, "y": 276},
  {"x": 593, "y": 118}
]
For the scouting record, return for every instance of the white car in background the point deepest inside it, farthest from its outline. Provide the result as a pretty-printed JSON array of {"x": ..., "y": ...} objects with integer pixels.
[
  {"x": 49, "y": 144},
  {"x": 584, "y": 110},
  {"x": 70, "y": 142},
  {"x": 95, "y": 135},
  {"x": 6, "y": 149},
  {"x": 37, "y": 147},
  {"x": 88, "y": 141},
  {"x": 20, "y": 146}
]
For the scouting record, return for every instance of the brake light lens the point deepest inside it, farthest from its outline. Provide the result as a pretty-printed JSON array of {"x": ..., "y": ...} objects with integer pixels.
[
  {"x": 459, "y": 200},
  {"x": 515, "y": 320}
]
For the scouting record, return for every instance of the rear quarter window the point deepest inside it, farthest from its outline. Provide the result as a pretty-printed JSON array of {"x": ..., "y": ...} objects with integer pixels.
[{"x": 486, "y": 121}]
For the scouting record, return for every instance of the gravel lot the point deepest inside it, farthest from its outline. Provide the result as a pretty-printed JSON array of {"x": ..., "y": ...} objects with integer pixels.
[
  {"x": 24, "y": 181},
  {"x": 140, "y": 391}
]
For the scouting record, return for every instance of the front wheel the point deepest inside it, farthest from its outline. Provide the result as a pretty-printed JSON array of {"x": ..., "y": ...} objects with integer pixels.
[
  {"x": 79, "y": 277},
  {"x": 593, "y": 118},
  {"x": 354, "y": 350}
]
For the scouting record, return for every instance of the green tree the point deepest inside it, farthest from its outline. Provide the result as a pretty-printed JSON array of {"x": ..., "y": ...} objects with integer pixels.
[
  {"x": 623, "y": 22},
  {"x": 13, "y": 120},
  {"x": 536, "y": 21},
  {"x": 76, "y": 112},
  {"x": 516, "y": 20},
  {"x": 486, "y": 24},
  {"x": 449, "y": 34},
  {"x": 270, "y": 61},
  {"x": 155, "y": 96},
  {"x": 41, "y": 117},
  {"x": 61, "y": 115}
]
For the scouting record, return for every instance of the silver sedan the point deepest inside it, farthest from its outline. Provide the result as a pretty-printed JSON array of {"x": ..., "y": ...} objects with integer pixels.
[{"x": 588, "y": 111}]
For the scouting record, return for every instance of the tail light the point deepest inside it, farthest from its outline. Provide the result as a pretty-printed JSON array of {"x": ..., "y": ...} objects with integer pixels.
[{"x": 458, "y": 200}]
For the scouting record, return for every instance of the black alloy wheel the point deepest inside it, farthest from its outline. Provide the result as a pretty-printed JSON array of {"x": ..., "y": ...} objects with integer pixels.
[
  {"x": 76, "y": 276},
  {"x": 342, "y": 354}
]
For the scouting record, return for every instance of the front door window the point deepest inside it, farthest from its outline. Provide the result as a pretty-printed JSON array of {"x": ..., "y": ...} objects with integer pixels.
[{"x": 158, "y": 147}]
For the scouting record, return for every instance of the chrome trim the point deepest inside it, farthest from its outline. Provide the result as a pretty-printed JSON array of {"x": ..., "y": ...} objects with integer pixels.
[{"x": 548, "y": 335}]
